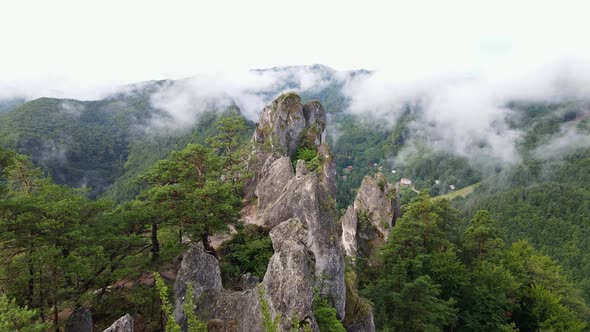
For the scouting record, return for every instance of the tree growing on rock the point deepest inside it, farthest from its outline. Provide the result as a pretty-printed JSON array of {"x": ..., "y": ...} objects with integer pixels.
[{"x": 187, "y": 190}]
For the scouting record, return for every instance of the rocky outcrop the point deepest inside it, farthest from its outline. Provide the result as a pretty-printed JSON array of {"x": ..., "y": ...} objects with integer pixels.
[
  {"x": 199, "y": 268},
  {"x": 315, "y": 121},
  {"x": 284, "y": 126},
  {"x": 230, "y": 311},
  {"x": 79, "y": 321},
  {"x": 367, "y": 223},
  {"x": 365, "y": 324},
  {"x": 273, "y": 176},
  {"x": 288, "y": 284},
  {"x": 289, "y": 281},
  {"x": 123, "y": 324},
  {"x": 233, "y": 311},
  {"x": 307, "y": 195},
  {"x": 306, "y": 198},
  {"x": 375, "y": 197},
  {"x": 350, "y": 232},
  {"x": 281, "y": 125},
  {"x": 298, "y": 208}
]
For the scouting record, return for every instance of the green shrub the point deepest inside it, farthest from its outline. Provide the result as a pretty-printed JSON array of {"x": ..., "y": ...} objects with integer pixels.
[
  {"x": 16, "y": 318},
  {"x": 193, "y": 322},
  {"x": 310, "y": 156},
  {"x": 325, "y": 316},
  {"x": 248, "y": 251},
  {"x": 269, "y": 324}
]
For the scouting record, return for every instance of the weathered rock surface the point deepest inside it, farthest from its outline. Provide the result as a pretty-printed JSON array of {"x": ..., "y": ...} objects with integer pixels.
[
  {"x": 375, "y": 196},
  {"x": 200, "y": 268},
  {"x": 248, "y": 281},
  {"x": 289, "y": 281},
  {"x": 306, "y": 198},
  {"x": 367, "y": 223},
  {"x": 123, "y": 324},
  {"x": 234, "y": 311},
  {"x": 281, "y": 125},
  {"x": 365, "y": 324},
  {"x": 306, "y": 195},
  {"x": 350, "y": 232},
  {"x": 275, "y": 173},
  {"x": 79, "y": 321},
  {"x": 288, "y": 284},
  {"x": 298, "y": 208}
]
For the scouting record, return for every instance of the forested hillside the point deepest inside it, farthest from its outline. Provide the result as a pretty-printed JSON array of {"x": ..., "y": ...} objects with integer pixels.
[
  {"x": 98, "y": 195},
  {"x": 61, "y": 250},
  {"x": 102, "y": 145}
]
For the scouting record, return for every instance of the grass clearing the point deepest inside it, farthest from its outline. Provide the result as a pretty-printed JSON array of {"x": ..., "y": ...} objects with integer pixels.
[{"x": 457, "y": 193}]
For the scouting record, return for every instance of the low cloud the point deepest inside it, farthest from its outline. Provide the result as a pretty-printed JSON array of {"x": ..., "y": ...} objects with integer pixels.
[
  {"x": 72, "y": 108},
  {"x": 53, "y": 151},
  {"x": 466, "y": 113},
  {"x": 184, "y": 101}
]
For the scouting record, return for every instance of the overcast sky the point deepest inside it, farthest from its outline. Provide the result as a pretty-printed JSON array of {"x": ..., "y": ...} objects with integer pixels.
[{"x": 80, "y": 45}]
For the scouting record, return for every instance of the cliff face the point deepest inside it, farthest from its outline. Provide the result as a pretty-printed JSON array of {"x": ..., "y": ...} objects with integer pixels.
[
  {"x": 298, "y": 208},
  {"x": 123, "y": 324},
  {"x": 366, "y": 224}
]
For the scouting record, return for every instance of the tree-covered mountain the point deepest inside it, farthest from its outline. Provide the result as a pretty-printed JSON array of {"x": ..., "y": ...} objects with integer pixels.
[
  {"x": 102, "y": 145},
  {"x": 7, "y": 105},
  {"x": 524, "y": 265}
]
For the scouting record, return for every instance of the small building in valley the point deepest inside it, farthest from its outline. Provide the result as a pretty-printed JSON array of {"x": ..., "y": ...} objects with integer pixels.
[{"x": 405, "y": 182}]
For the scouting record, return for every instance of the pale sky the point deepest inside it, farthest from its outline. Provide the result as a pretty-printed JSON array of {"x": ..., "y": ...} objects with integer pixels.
[{"x": 85, "y": 45}]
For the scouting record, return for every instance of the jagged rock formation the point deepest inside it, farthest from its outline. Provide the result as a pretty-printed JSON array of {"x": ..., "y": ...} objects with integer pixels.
[
  {"x": 285, "y": 123},
  {"x": 283, "y": 127},
  {"x": 79, "y": 321},
  {"x": 366, "y": 324},
  {"x": 299, "y": 209},
  {"x": 289, "y": 282},
  {"x": 288, "y": 285},
  {"x": 233, "y": 311},
  {"x": 123, "y": 324},
  {"x": 308, "y": 195},
  {"x": 367, "y": 223}
]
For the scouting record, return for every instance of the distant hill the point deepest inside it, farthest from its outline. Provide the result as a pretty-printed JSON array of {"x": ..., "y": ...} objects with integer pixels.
[
  {"x": 7, "y": 105},
  {"x": 105, "y": 144}
]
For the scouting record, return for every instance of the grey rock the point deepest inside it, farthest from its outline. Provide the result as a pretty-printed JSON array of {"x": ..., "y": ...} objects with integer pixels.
[
  {"x": 316, "y": 119},
  {"x": 281, "y": 125},
  {"x": 309, "y": 200},
  {"x": 248, "y": 281},
  {"x": 230, "y": 311},
  {"x": 289, "y": 281},
  {"x": 366, "y": 224},
  {"x": 79, "y": 321},
  {"x": 299, "y": 210},
  {"x": 301, "y": 168},
  {"x": 200, "y": 268},
  {"x": 365, "y": 324},
  {"x": 273, "y": 176},
  {"x": 349, "y": 232},
  {"x": 288, "y": 284},
  {"x": 328, "y": 170},
  {"x": 375, "y": 198},
  {"x": 123, "y": 324},
  {"x": 234, "y": 310}
]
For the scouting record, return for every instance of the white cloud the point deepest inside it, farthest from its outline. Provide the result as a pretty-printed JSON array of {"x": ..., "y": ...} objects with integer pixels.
[
  {"x": 113, "y": 42},
  {"x": 185, "y": 100},
  {"x": 463, "y": 59}
]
